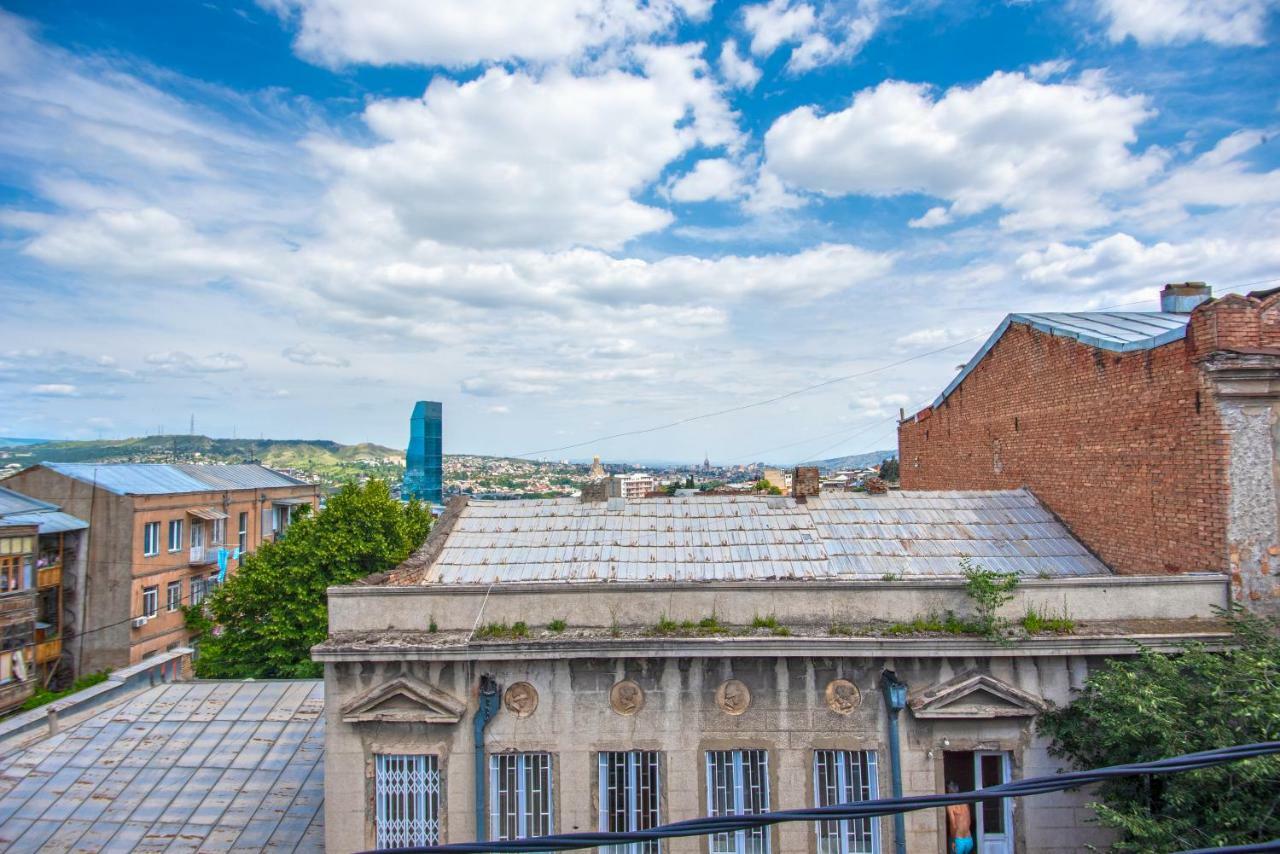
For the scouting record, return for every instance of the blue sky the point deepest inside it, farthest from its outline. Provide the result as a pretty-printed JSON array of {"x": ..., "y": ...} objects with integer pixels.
[{"x": 572, "y": 218}]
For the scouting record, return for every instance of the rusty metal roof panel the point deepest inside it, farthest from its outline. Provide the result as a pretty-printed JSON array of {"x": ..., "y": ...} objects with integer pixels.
[{"x": 705, "y": 538}]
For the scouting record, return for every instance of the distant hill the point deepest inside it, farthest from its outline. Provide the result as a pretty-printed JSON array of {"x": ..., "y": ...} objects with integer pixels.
[
  {"x": 322, "y": 459},
  {"x": 856, "y": 461},
  {"x": 15, "y": 442}
]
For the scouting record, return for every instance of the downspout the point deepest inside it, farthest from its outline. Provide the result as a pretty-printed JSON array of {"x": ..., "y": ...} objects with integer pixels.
[
  {"x": 895, "y": 700},
  {"x": 487, "y": 708}
]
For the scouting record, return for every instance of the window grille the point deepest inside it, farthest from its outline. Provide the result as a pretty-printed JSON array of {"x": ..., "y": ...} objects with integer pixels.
[
  {"x": 407, "y": 796},
  {"x": 519, "y": 795},
  {"x": 629, "y": 797},
  {"x": 844, "y": 777},
  {"x": 738, "y": 784}
]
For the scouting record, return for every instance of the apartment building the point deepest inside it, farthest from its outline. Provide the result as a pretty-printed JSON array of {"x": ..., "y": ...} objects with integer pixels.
[
  {"x": 50, "y": 567},
  {"x": 160, "y": 535},
  {"x": 1150, "y": 434}
]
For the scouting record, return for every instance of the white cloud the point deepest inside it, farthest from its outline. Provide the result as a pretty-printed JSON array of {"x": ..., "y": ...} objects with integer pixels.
[
  {"x": 714, "y": 178},
  {"x": 738, "y": 71},
  {"x": 831, "y": 33},
  {"x": 1163, "y": 22},
  {"x": 509, "y": 159},
  {"x": 468, "y": 32},
  {"x": 1221, "y": 177},
  {"x": 1049, "y": 68},
  {"x": 1045, "y": 153},
  {"x": 178, "y": 362},
  {"x": 1121, "y": 262},
  {"x": 304, "y": 354},
  {"x": 55, "y": 390}
]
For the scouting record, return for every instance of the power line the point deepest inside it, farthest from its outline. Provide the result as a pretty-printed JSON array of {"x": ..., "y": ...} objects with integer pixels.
[{"x": 864, "y": 809}]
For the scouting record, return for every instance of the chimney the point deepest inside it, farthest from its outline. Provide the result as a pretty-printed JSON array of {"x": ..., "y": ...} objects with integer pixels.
[
  {"x": 805, "y": 481},
  {"x": 1182, "y": 298},
  {"x": 595, "y": 490}
]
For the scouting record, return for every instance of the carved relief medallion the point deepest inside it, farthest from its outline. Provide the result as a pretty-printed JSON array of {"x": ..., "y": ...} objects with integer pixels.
[
  {"x": 733, "y": 697},
  {"x": 843, "y": 696},
  {"x": 626, "y": 697},
  {"x": 521, "y": 699}
]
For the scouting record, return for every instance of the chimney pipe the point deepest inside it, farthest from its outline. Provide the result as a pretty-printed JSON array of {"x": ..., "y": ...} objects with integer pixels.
[
  {"x": 805, "y": 481},
  {"x": 1183, "y": 298}
]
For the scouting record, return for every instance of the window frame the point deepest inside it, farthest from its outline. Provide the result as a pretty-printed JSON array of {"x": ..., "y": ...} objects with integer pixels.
[
  {"x": 242, "y": 531},
  {"x": 737, "y": 790},
  {"x": 150, "y": 539},
  {"x": 218, "y": 532},
  {"x": 170, "y": 603},
  {"x": 151, "y": 592},
  {"x": 849, "y": 836},
  {"x": 392, "y": 798},
  {"x": 199, "y": 589},
  {"x": 523, "y": 766},
  {"x": 636, "y": 765},
  {"x": 175, "y": 535}
]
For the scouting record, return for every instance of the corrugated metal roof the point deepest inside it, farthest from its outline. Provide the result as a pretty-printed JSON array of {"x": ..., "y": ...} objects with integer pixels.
[
  {"x": 1117, "y": 331},
  {"x": 165, "y": 478},
  {"x": 16, "y": 502},
  {"x": 213, "y": 766},
  {"x": 19, "y": 509},
  {"x": 725, "y": 538}
]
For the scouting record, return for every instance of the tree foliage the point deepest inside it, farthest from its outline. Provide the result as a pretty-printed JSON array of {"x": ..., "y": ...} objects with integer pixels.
[
  {"x": 1156, "y": 705},
  {"x": 889, "y": 469},
  {"x": 264, "y": 620}
]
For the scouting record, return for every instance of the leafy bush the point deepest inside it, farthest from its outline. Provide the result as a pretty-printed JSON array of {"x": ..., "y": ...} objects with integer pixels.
[
  {"x": 989, "y": 591},
  {"x": 1157, "y": 705}
]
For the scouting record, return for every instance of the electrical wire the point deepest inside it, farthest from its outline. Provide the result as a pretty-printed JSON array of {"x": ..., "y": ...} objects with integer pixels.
[{"x": 861, "y": 809}]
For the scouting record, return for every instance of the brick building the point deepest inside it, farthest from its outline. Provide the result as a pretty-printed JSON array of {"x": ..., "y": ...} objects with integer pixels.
[
  {"x": 1150, "y": 434},
  {"x": 156, "y": 533}
]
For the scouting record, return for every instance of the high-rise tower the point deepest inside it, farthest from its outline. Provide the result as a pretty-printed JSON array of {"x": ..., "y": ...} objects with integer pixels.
[{"x": 424, "y": 461}]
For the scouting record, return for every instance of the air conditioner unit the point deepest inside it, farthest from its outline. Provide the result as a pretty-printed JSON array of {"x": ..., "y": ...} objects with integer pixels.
[{"x": 139, "y": 622}]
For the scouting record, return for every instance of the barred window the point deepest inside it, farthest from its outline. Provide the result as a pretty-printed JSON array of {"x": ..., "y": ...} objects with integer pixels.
[
  {"x": 407, "y": 797},
  {"x": 519, "y": 795},
  {"x": 629, "y": 797},
  {"x": 738, "y": 784},
  {"x": 845, "y": 777}
]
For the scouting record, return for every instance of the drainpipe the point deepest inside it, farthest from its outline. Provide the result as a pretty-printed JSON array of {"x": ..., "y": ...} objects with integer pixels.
[
  {"x": 484, "y": 713},
  {"x": 895, "y": 700}
]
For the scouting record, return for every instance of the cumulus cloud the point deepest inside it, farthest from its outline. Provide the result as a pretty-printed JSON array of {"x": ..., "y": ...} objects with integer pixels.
[
  {"x": 1221, "y": 177},
  {"x": 55, "y": 390},
  {"x": 714, "y": 178},
  {"x": 468, "y": 32},
  {"x": 304, "y": 354},
  {"x": 509, "y": 159},
  {"x": 1044, "y": 153},
  {"x": 1122, "y": 262},
  {"x": 178, "y": 362},
  {"x": 818, "y": 35},
  {"x": 737, "y": 70},
  {"x": 1161, "y": 22}
]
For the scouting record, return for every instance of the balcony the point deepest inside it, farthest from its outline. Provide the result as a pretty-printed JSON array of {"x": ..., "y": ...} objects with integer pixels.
[
  {"x": 49, "y": 576},
  {"x": 202, "y": 555},
  {"x": 47, "y": 651}
]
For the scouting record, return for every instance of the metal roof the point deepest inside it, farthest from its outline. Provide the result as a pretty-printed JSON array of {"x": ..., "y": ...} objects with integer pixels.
[
  {"x": 1117, "y": 331},
  {"x": 208, "y": 766},
  {"x": 166, "y": 478},
  {"x": 727, "y": 538},
  {"x": 19, "y": 509}
]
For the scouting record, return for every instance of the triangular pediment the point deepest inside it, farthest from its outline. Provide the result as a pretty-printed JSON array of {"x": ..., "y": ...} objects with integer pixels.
[
  {"x": 404, "y": 700},
  {"x": 975, "y": 695}
]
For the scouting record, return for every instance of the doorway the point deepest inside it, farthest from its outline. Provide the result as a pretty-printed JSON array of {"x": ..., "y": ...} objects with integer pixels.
[{"x": 992, "y": 821}]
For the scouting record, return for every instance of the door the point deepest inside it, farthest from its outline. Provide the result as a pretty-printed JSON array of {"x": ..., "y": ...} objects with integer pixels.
[{"x": 995, "y": 817}]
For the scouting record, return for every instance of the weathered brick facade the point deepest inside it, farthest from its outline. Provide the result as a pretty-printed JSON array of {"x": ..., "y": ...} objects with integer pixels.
[{"x": 1134, "y": 451}]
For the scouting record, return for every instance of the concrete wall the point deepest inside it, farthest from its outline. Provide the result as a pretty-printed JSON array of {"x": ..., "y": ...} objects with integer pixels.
[
  {"x": 460, "y": 607},
  {"x": 788, "y": 716}
]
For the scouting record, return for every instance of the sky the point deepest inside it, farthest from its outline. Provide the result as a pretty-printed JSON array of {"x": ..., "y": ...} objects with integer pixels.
[{"x": 569, "y": 219}]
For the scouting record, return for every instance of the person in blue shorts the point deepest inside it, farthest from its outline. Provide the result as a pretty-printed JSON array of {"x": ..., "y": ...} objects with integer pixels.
[{"x": 959, "y": 824}]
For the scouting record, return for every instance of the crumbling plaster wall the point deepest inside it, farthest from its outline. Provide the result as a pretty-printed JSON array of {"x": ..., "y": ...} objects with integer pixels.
[
  {"x": 1253, "y": 518},
  {"x": 788, "y": 716}
]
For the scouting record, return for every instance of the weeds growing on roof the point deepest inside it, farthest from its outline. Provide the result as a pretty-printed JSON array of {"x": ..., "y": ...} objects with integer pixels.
[
  {"x": 935, "y": 623},
  {"x": 502, "y": 631},
  {"x": 1035, "y": 623},
  {"x": 558, "y": 625}
]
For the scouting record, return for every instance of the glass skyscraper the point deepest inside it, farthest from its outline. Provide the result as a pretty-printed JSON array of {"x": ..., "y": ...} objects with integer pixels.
[{"x": 424, "y": 462}]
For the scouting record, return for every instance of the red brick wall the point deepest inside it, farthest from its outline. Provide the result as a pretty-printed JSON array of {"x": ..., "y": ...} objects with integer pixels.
[{"x": 1127, "y": 449}]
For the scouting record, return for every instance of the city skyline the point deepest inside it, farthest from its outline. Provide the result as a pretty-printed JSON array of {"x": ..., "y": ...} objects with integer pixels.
[{"x": 605, "y": 219}]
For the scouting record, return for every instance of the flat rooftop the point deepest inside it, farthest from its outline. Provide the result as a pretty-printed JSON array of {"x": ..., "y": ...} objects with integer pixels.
[{"x": 185, "y": 766}]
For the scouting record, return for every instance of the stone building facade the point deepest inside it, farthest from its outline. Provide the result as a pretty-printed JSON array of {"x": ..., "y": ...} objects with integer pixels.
[
  {"x": 664, "y": 659},
  {"x": 1151, "y": 435}
]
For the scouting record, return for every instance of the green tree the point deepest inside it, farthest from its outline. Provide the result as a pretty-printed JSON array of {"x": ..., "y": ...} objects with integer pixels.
[
  {"x": 264, "y": 620},
  {"x": 889, "y": 469},
  {"x": 1156, "y": 705}
]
